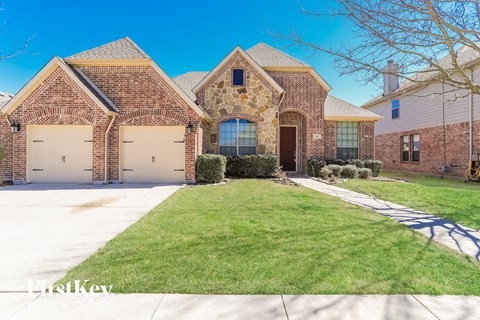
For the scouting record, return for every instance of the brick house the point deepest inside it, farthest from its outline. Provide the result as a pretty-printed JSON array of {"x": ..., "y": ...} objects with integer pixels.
[
  {"x": 430, "y": 128},
  {"x": 111, "y": 114}
]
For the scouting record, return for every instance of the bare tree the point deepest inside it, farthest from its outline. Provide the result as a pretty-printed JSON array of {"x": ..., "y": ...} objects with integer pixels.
[
  {"x": 422, "y": 36},
  {"x": 4, "y": 53}
]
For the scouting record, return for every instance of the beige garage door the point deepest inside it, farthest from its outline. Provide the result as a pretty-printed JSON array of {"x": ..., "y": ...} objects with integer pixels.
[
  {"x": 59, "y": 154},
  {"x": 151, "y": 154}
]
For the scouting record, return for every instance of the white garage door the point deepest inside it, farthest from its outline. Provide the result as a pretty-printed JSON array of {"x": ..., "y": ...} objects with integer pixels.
[
  {"x": 59, "y": 154},
  {"x": 152, "y": 154}
]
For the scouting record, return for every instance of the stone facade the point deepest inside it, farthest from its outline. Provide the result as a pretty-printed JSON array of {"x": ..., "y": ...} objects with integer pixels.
[
  {"x": 434, "y": 149},
  {"x": 256, "y": 101}
]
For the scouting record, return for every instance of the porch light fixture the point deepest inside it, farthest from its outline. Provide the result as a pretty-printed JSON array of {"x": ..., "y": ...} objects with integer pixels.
[
  {"x": 15, "y": 127},
  {"x": 189, "y": 128}
]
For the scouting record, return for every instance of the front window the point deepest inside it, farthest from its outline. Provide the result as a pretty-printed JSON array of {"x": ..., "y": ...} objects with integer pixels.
[
  {"x": 238, "y": 137},
  {"x": 238, "y": 76},
  {"x": 347, "y": 140}
]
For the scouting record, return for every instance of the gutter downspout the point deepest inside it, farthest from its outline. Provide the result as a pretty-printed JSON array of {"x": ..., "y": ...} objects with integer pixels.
[
  {"x": 470, "y": 120},
  {"x": 106, "y": 147}
]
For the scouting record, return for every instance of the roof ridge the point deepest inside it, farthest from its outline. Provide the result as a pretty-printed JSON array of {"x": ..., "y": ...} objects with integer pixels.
[
  {"x": 122, "y": 48},
  {"x": 143, "y": 53}
]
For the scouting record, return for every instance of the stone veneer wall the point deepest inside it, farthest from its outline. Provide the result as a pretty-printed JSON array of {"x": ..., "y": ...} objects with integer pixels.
[
  {"x": 256, "y": 101},
  {"x": 431, "y": 149}
]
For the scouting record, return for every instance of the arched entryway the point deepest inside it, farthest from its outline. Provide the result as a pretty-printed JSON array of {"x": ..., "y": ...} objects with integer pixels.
[{"x": 292, "y": 142}]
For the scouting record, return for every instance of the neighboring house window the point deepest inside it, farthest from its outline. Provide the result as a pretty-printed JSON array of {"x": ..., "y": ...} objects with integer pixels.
[
  {"x": 411, "y": 148},
  {"x": 347, "y": 140},
  {"x": 238, "y": 77},
  {"x": 395, "y": 109},
  {"x": 238, "y": 137},
  {"x": 415, "y": 148},
  {"x": 405, "y": 148}
]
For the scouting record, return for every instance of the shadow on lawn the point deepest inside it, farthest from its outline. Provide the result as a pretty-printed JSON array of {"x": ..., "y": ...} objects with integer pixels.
[{"x": 454, "y": 235}]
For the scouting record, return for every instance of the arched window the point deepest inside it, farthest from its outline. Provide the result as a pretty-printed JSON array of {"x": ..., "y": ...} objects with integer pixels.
[{"x": 238, "y": 137}]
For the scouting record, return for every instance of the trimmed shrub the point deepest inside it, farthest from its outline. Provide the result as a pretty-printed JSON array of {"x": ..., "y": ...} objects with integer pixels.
[
  {"x": 335, "y": 168},
  {"x": 375, "y": 165},
  {"x": 315, "y": 166},
  {"x": 326, "y": 173},
  {"x": 252, "y": 166},
  {"x": 349, "y": 172},
  {"x": 357, "y": 163},
  {"x": 364, "y": 173},
  {"x": 210, "y": 168},
  {"x": 339, "y": 162}
]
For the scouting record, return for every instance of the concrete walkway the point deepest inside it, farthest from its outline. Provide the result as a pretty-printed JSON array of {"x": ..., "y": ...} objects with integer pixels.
[
  {"x": 197, "y": 307},
  {"x": 450, "y": 234}
]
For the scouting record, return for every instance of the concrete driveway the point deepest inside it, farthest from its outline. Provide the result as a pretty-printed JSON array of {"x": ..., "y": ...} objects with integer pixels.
[{"x": 46, "y": 230}]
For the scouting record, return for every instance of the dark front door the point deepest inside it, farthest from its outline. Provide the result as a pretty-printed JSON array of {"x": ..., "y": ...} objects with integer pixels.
[{"x": 288, "y": 148}]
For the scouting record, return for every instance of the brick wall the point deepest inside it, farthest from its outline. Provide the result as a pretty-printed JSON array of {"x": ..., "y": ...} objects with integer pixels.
[
  {"x": 304, "y": 95},
  {"x": 433, "y": 151},
  {"x": 58, "y": 100},
  {"x": 144, "y": 99},
  {"x": 367, "y": 140}
]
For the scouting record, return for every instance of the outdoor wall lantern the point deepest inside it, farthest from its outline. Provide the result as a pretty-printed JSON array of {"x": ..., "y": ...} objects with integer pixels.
[
  {"x": 15, "y": 127},
  {"x": 189, "y": 127}
]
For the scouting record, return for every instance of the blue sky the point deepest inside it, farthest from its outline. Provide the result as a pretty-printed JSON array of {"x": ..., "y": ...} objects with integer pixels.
[{"x": 180, "y": 36}]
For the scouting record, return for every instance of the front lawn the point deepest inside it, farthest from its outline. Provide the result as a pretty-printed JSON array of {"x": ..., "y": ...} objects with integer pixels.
[
  {"x": 258, "y": 237},
  {"x": 449, "y": 198}
]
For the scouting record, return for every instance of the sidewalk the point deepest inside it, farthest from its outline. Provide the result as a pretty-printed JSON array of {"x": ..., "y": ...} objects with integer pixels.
[
  {"x": 450, "y": 234},
  {"x": 16, "y": 306}
]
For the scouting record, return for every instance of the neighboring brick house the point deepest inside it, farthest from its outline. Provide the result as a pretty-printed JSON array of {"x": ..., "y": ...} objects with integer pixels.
[
  {"x": 428, "y": 128},
  {"x": 110, "y": 114}
]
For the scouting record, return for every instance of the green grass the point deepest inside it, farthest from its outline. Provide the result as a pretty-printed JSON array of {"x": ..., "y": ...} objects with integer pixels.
[
  {"x": 258, "y": 237},
  {"x": 449, "y": 198}
]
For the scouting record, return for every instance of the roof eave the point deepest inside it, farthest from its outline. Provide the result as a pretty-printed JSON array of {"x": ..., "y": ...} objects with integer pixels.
[
  {"x": 108, "y": 62},
  {"x": 202, "y": 114},
  {"x": 353, "y": 118}
]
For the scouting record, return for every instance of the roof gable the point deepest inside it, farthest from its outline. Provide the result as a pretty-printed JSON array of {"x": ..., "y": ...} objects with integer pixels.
[
  {"x": 93, "y": 93},
  {"x": 227, "y": 59},
  {"x": 267, "y": 56},
  {"x": 122, "y": 49},
  {"x": 187, "y": 98}
]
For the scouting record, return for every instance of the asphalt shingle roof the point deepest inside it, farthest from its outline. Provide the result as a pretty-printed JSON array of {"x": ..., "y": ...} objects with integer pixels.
[
  {"x": 4, "y": 98},
  {"x": 267, "y": 56},
  {"x": 335, "y": 107},
  {"x": 123, "y": 48},
  {"x": 188, "y": 81}
]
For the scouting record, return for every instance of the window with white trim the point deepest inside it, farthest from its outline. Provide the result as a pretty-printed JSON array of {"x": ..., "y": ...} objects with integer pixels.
[
  {"x": 238, "y": 137},
  {"x": 347, "y": 140},
  {"x": 410, "y": 148}
]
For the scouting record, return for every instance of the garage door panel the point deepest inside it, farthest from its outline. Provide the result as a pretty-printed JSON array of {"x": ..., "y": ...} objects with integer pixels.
[
  {"x": 60, "y": 154},
  {"x": 154, "y": 154}
]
